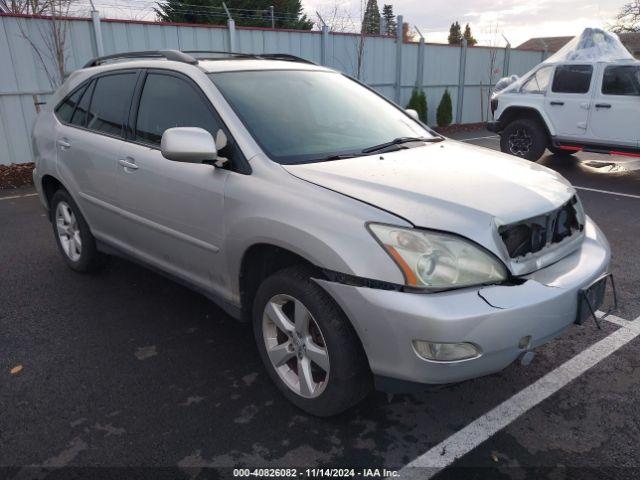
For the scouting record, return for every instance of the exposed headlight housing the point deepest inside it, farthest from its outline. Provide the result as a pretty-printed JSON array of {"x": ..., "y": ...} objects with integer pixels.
[{"x": 438, "y": 261}]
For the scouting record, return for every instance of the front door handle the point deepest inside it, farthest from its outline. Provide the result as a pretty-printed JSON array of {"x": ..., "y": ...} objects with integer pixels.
[
  {"x": 128, "y": 164},
  {"x": 603, "y": 105},
  {"x": 559, "y": 104},
  {"x": 64, "y": 144}
]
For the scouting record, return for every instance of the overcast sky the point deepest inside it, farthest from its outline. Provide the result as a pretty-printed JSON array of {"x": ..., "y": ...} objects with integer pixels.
[{"x": 517, "y": 20}]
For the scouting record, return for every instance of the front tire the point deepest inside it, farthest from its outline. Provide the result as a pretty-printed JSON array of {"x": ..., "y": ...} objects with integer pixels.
[
  {"x": 524, "y": 138},
  {"x": 307, "y": 345},
  {"x": 75, "y": 241}
]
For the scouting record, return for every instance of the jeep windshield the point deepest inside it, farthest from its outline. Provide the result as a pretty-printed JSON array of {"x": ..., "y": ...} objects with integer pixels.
[{"x": 299, "y": 116}]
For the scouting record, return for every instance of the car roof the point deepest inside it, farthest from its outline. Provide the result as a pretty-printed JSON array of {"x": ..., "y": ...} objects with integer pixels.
[{"x": 223, "y": 64}]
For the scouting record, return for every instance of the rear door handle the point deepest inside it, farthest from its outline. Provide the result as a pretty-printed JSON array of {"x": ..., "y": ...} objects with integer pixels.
[
  {"x": 64, "y": 144},
  {"x": 603, "y": 105},
  {"x": 128, "y": 163},
  {"x": 559, "y": 104}
]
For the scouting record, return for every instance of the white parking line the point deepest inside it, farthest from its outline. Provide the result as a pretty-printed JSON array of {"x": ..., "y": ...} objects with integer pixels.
[
  {"x": 481, "y": 429},
  {"x": 607, "y": 192},
  {"x": 479, "y": 138},
  {"x": 18, "y": 196}
]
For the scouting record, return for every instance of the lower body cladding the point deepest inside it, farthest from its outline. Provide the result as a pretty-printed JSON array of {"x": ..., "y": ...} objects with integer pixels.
[{"x": 501, "y": 322}]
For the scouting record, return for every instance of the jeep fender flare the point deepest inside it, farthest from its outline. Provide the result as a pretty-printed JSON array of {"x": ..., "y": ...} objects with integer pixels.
[{"x": 514, "y": 112}]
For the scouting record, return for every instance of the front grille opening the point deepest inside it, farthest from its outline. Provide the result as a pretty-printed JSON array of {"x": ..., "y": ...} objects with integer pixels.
[{"x": 534, "y": 234}]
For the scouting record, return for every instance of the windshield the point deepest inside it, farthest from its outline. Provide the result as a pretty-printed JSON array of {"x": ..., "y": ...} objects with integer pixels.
[{"x": 306, "y": 116}]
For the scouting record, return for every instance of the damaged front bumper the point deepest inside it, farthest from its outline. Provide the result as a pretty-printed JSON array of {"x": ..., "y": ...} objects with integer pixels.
[{"x": 494, "y": 318}]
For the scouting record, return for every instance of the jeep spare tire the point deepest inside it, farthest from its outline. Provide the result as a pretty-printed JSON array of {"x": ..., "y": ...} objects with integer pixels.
[{"x": 524, "y": 138}]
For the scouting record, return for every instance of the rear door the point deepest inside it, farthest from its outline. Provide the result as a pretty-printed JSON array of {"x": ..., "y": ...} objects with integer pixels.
[
  {"x": 89, "y": 143},
  {"x": 569, "y": 101},
  {"x": 615, "y": 119},
  {"x": 174, "y": 210}
]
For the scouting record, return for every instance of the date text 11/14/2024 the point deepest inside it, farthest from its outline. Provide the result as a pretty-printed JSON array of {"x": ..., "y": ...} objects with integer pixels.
[{"x": 315, "y": 473}]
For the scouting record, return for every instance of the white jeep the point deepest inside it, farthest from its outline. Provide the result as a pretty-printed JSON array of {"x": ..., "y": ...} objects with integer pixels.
[{"x": 584, "y": 98}]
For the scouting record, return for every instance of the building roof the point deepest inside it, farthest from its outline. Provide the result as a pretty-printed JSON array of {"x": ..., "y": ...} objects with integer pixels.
[{"x": 553, "y": 44}]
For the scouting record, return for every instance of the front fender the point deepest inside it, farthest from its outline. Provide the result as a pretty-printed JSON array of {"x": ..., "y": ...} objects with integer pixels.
[
  {"x": 518, "y": 101},
  {"x": 324, "y": 227}
]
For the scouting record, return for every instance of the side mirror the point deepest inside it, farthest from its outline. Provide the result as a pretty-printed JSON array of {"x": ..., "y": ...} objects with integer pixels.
[
  {"x": 413, "y": 114},
  {"x": 188, "y": 144}
]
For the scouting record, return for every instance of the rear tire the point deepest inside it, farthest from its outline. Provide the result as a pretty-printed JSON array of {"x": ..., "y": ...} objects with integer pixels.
[
  {"x": 524, "y": 138},
  {"x": 75, "y": 241},
  {"x": 312, "y": 353},
  {"x": 561, "y": 152}
]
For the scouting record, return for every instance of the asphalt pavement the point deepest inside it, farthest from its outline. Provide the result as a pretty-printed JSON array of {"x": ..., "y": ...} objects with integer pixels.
[{"x": 127, "y": 374}]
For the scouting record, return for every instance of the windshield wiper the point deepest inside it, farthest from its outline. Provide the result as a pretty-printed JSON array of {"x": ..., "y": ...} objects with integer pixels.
[
  {"x": 336, "y": 157},
  {"x": 400, "y": 141}
]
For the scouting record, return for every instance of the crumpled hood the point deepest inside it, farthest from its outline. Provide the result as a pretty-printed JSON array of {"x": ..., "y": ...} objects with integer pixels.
[{"x": 447, "y": 186}]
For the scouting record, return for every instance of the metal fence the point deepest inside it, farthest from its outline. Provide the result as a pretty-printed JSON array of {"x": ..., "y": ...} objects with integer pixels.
[{"x": 391, "y": 66}]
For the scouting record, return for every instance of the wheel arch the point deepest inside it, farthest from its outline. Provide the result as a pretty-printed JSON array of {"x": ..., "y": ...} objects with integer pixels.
[
  {"x": 260, "y": 261},
  {"x": 513, "y": 113},
  {"x": 50, "y": 185}
]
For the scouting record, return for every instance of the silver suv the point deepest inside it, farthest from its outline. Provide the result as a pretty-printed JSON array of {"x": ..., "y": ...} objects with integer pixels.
[{"x": 365, "y": 249}]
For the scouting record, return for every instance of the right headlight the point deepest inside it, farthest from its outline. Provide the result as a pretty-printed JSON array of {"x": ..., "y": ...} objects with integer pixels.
[{"x": 438, "y": 261}]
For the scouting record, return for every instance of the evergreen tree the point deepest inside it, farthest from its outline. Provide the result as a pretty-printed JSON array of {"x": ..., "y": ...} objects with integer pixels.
[
  {"x": 471, "y": 41},
  {"x": 444, "y": 115},
  {"x": 418, "y": 102},
  {"x": 287, "y": 13},
  {"x": 390, "y": 20},
  {"x": 455, "y": 34},
  {"x": 371, "y": 19}
]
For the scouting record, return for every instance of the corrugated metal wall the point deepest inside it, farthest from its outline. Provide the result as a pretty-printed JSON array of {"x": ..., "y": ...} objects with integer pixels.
[{"x": 22, "y": 74}]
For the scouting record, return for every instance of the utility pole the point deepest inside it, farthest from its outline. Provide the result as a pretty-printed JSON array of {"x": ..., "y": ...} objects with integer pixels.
[{"x": 273, "y": 19}]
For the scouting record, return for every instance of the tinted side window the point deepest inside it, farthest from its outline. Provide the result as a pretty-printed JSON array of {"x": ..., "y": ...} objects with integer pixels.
[
  {"x": 539, "y": 82},
  {"x": 110, "y": 104},
  {"x": 65, "y": 109},
  {"x": 80, "y": 115},
  {"x": 624, "y": 80},
  {"x": 167, "y": 102},
  {"x": 572, "y": 79}
]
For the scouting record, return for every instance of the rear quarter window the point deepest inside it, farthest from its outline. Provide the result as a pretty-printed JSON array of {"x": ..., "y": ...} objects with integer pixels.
[{"x": 65, "y": 110}]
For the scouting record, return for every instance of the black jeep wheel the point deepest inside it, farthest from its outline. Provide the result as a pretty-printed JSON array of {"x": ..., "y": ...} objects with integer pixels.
[{"x": 524, "y": 138}]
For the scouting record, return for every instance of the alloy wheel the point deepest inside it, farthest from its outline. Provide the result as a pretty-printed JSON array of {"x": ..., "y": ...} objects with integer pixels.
[
  {"x": 295, "y": 346},
  {"x": 520, "y": 142},
  {"x": 68, "y": 231}
]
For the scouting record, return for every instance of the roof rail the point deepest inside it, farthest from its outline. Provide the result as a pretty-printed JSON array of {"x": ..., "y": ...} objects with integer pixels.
[
  {"x": 264, "y": 56},
  {"x": 174, "y": 55}
]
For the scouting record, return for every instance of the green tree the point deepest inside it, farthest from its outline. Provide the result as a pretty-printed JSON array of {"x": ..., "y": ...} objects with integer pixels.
[
  {"x": 471, "y": 41},
  {"x": 444, "y": 115},
  {"x": 390, "y": 20},
  {"x": 254, "y": 13},
  {"x": 371, "y": 19},
  {"x": 418, "y": 102},
  {"x": 455, "y": 34}
]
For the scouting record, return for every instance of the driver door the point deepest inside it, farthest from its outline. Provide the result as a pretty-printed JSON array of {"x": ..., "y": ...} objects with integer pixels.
[{"x": 569, "y": 101}]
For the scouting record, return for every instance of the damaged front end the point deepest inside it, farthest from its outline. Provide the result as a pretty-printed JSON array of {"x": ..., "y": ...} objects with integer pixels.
[{"x": 537, "y": 242}]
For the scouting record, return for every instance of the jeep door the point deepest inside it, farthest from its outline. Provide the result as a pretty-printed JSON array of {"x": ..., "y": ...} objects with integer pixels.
[
  {"x": 569, "y": 100},
  {"x": 174, "y": 210},
  {"x": 89, "y": 141},
  {"x": 615, "y": 119}
]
